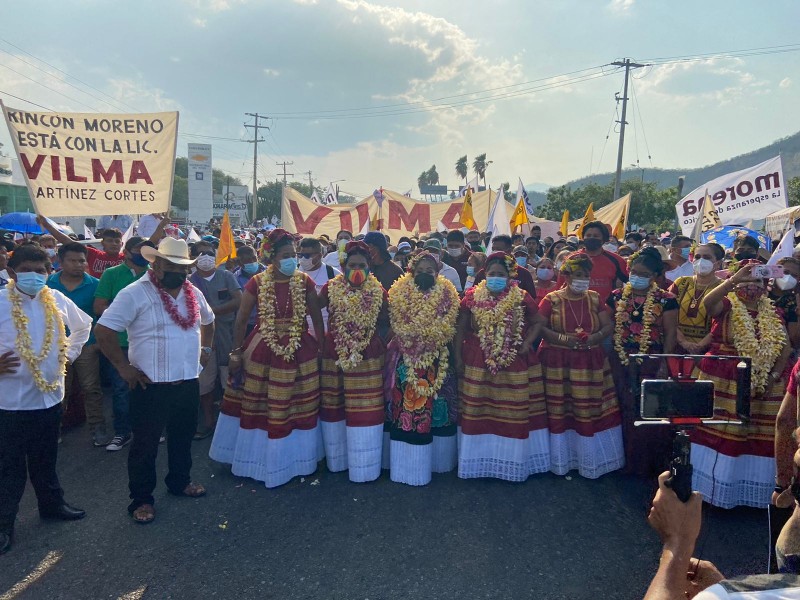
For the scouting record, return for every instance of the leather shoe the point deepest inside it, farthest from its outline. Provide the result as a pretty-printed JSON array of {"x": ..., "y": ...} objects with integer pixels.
[
  {"x": 5, "y": 542},
  {"x": 63, "y": 512}
]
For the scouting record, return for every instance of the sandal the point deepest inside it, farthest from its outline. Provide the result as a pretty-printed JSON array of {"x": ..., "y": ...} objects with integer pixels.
[
  {"x": 193, "y": 490},
  {"x": 144, "y": 514}
]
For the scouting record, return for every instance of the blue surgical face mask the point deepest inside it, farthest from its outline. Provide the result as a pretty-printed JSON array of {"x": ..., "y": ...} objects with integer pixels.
[
  {"x": 470, "y": 271},
  {"x": 639, "y": 283},
  {"x": 250, "y": 268},
  {"x": 139, "y": 260},
  {"x": 288, "y": 266},
  {"x": 496, "y": 284},
  {"x": 685, "y": 253},
  {"x": 522, "y": 261},
  {"x": 31, "y": 283}
]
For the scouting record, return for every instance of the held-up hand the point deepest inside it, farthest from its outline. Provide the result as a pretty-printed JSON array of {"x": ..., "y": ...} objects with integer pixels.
[
  {"x": 134, "y": 377},
  {"x": 9, "y": 363},
  {"x": 676, "y": 522},
  {"x": 742, "y": 275}
]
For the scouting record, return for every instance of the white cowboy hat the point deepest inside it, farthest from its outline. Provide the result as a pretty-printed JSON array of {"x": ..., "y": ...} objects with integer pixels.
[{"x": 170, "y": 249}]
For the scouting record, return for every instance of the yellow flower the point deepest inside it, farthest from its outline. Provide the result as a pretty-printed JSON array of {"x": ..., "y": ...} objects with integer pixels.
[
  {"x": 267, "y": 312},
  {"x": 354, "y": 315},
  {"x": 499, "y": 325},
  {"x": 762, "y": 339},
  {"x": 52, "y": 322},
  {"x": 424, "y": 323},
  {"x": 648, "y": 318}
]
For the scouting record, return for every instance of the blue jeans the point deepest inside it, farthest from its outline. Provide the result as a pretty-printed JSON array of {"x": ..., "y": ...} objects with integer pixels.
[{"x": 120, "y": 398}]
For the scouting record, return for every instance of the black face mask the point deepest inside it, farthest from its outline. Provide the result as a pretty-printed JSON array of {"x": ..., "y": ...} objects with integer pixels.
[
  {"x": 424, "y": 281},
  {"x": 744, "y": 255},
  {"x": 172, "y": 280},
  {"x": 592, "y": 244}
]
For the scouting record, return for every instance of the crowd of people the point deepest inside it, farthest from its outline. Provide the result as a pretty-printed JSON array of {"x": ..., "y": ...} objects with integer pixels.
[{"x": 499, "y": 357}]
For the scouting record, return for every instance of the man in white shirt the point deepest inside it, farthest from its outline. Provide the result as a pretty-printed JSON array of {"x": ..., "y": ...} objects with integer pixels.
[
  {"x": 434, "y": 246},
  {"x": 121, "y": 222},
  {"x": 170, "y": 335},
  {"x": 32, "y": 387},
  {"x": 679, "y": 249},
  {"x": 310, "y": 261}
]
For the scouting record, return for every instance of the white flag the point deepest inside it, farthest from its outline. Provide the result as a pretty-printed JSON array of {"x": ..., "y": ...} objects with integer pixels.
[
  {"x": 440, "y": 227},
  {"x": 407, "y": 194},
  {"x": 87, "y": 233},
  {"x": 330, "y": 196},
  {"x": 128, "y": 232},
  {"x": 521, "y": 193},
  {"x": 784, "y": 249},
  {"x": 193, "y": 235},
  {"x": 315, "y": 198},
  {"x": 473, "y": 183},
  {"x": 498, "y": 218}
]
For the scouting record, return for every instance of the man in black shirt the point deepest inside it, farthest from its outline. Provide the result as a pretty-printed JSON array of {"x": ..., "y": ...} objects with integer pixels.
[{"x": 380, "y": 263}]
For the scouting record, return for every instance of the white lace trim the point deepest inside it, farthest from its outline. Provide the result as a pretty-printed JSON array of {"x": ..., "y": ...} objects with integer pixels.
[
  {"x": 489, "y": 455},
  {"x": 744, "y": 480},
  {"x": 592, "y": 456}
]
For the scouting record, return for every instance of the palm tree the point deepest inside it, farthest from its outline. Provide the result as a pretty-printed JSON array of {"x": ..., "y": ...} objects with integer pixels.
[
  {"x": 462, "y": 168},
  {"x": 479, "y": 166},
  {"x": 422, "y": 180},
  {"x": 433, "y": 176}
]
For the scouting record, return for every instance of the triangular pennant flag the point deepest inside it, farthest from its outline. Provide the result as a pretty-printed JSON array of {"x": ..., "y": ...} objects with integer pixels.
[
  {"x": 87, "y": 233},
  {"x": 707, "y": 219},
  {"x": 498, "y": 217},
  {"x": 587, "y": 218},
  {"x": 440, "y": 227},
  {"x": 193, "y": 235},
  {"x": 467, "y": 218},
  {"x": 331, "y": 196},
  {"x": 564, "y": 229},
  {"x": 784, "y": 249},
  {"x": 523, "y": 195},
  {"x": 520, "y": 216},
  {"x": 227, "y": 249},
  {"x": 128, "y": 233},
  {"x": 315, "y": 198},
  {"x": 619, "y": 228}
]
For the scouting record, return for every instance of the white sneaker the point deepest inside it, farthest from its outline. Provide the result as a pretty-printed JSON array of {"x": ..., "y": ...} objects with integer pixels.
[{"x": 119, "y": 442}]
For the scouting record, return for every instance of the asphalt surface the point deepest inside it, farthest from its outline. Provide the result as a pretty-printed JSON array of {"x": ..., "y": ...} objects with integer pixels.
[{"x": 324, "y": 537}]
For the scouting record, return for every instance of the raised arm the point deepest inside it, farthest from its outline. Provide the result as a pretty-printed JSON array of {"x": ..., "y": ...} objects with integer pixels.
[
  {"x": 713, "y": 300},
  {"x": 61, "y": 238}
]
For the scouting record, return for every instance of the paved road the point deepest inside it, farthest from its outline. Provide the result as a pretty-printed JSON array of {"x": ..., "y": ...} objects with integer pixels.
[{"x": 327, "y": 538}]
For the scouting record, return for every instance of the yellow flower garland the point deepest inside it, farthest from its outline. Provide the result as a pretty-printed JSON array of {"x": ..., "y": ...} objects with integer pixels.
[
  {"x": 424, "y": 323},
  {"x": 648, "y": 318},
  {"x": 764, "y": 347},
  {"x": 354, "y": 315},
  {"x": 24, "y": 345},
  {"x": 267, "y": 312},
  {"x": 498, "y": 352}
]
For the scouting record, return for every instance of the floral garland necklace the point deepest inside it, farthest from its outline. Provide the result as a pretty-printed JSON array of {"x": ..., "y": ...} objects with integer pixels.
[
  {"x": 354, "y": 315},
  {"x": 648, "y": 318},
  {"x": 267, "y": 313},
  {"x": 24, "y": 345},
  {"x": 499, "y": 323},
  {"x": 761, "y": 339},
  {"x": 192, "y": 308},
  {"x": 424, "y": 323}
]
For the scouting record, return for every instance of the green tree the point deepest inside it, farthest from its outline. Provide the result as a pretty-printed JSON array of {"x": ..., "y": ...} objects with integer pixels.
[
  {"x": 793, "y": 191},
  {"x": 651, "y": 207},
  {"x": 509, "y": 197},
  {"x": 479, "y": 166},
  {"x": 433, "y": 176},
  {"x": 462, "y": 168},
  {"x": 180, "y": 186},
  {"x": 180, "y": 193}
]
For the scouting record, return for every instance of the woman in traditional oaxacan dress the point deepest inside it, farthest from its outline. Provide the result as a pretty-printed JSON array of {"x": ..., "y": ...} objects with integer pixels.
[
  {"x": 351, "y": 383},
  {"x": 268, "y": 428},
  {"x": 422, "y": 400},
  {"x": 645, "y": 322},
  {"x": 582, "y": 407},
  {"x": 503, "y": 420},
  {"x": 734, "y": 464},
  {"x": 694, "y": 324}
]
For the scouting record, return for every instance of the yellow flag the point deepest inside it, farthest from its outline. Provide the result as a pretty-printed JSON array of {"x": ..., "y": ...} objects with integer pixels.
[
  {"x": 589, "y": 216},
  {"x": 706, "y": 220},
  {"x": 227, "y": 249},
  {"x": 520, "y": 216},
  {"x": 467, "y": 220},
  {"x": 564, "y": 224},
  {"x": 619, "y": 228}
]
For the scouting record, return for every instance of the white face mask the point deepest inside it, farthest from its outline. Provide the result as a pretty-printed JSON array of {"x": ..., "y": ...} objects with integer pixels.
[
  {"x": 579, "y": 286},
  {"x": 454, "y": 252},
  {"x": 703, "y": 266},
  {"x": 206, "y": 263},
  {"x": 609, "y": 247},
  {"x": 306, "y": 264},
  {"x": 787, "y": 282}
]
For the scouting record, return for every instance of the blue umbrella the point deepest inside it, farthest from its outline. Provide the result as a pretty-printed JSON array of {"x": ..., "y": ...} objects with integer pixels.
[
  {"x": 20, "y": 222},
  {"x": 725, "y": 236}
]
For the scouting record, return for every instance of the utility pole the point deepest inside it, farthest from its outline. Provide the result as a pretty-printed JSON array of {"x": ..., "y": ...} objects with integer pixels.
[
  {"x": 255, "y": 141},
  {"x": 284, "y": 165},
  {"x": 628, "y": 66},
  {"x": 310, "y": 184}
]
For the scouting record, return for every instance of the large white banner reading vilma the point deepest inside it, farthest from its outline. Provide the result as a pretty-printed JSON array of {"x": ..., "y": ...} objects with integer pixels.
[
  {"x": 95, "y": 164},
  {"x": 738, "y": 197}
]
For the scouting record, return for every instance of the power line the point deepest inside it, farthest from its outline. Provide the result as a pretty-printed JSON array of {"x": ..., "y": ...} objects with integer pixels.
[{"x": 49, "y": 88}]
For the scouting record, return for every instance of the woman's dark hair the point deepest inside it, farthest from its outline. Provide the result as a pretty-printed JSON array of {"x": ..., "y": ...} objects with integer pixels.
[
  {"x": 718, "y": 250},
  {"x": 651, "y": 259},
  {"x": 746, "y": 240},
  {"x": 600, "y": 226},
  {"x": 28, "y": 253},
  {"x": 495, "y": 260}
]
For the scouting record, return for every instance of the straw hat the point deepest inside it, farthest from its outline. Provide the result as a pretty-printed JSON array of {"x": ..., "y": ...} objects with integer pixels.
[{"x": 170, "y": 249}]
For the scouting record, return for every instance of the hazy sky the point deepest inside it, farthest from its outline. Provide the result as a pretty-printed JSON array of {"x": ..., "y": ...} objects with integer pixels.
[{"x": 214, "y": 60}]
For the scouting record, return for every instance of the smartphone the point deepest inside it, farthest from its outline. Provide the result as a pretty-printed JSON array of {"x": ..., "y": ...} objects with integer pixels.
[
  {"x": 667, "y": 399},
  {"x": 767, "y": 271}
]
